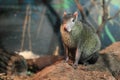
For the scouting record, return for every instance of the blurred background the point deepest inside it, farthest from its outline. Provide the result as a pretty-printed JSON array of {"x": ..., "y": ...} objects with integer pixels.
[{"x": 33, "y": 25}]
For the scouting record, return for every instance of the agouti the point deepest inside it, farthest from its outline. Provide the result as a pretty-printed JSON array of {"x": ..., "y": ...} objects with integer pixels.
[{"x": 80, "y": 36}]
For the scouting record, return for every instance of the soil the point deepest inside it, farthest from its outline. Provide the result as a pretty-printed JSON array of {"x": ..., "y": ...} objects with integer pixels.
[
  {"x": 106, "y": 68},
  {"x": 64, "y": 71}
]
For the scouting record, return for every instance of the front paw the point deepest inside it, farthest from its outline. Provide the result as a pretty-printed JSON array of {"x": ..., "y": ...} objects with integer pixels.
[
  {"x": 67, "y": 59},
  {"x": 75, "y": 66}
]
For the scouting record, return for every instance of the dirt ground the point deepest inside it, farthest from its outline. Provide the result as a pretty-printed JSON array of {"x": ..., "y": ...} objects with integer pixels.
[
  {"x": 106, "y": 68},
  {"x": 103, "y": 70},
  {"x": 63, "y": 71}
]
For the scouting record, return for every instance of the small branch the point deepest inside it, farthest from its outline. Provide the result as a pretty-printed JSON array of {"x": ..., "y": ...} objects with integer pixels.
[
  {"x": 24, "y": 27},
  {"x": 41, "y": 21},
  {"x": 105, "y": 11},
  {"x": 104, "y": 17},
  {"x": 29, "y": 29},
  {"x": 114, "y": 15},
  {"x": 80, "y": 9},
  {"x": 100, "y": 28}
]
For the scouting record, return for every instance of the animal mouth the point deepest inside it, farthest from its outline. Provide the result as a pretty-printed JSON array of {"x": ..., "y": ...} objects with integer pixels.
[{"x": 67, "y": 28}]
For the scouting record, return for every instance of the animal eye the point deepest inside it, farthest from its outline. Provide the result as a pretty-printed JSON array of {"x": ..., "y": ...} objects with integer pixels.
[{"x": 73, "y": 20}]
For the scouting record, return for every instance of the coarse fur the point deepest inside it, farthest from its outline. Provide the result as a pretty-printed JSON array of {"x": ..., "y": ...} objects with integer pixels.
[{"x": 80, "y": 36}]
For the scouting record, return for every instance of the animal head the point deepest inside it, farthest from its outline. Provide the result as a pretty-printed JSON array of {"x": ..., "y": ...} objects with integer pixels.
[{"x": 69, "y": 20}]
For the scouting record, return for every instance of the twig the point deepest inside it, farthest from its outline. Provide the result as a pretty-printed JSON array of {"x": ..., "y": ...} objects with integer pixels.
[
  {"x": 114, "y": 15},
  {"x": 80, "y": 9},
  {"x": 41, "y": 21},
  {"x": 24, "y": 28},
  {"x": 117, "y": 22},
  {"x": 29, "y": 26},
  {"x": 104, "y": 17}
]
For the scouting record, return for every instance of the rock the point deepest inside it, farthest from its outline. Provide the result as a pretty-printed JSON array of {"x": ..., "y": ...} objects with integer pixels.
[{"x": 111, "y": 58}]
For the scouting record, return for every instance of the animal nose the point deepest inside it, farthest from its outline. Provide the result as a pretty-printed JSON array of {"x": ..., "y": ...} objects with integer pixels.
[{"x": 65, "y": 27}]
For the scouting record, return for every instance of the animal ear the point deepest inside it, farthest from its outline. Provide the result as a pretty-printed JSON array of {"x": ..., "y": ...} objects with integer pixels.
[
  {"x": 75, "y": 14},
  {"x": 65, "y": 13}
]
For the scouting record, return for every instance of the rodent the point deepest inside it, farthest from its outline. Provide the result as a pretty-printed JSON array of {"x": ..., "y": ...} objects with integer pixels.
[{"x": 80, "y": 36}]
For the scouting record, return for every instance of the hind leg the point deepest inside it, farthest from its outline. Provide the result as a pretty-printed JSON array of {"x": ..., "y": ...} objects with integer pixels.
[
  {"x": 93, "y": 59},
  {"x": 90, "y": 59}
]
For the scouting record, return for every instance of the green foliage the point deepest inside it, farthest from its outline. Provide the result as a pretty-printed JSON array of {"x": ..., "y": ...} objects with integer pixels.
[
  {"x": 109, "y": 34},
  {"x": 116, "y": 2},
  {"x": 66, "y": 4}
]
